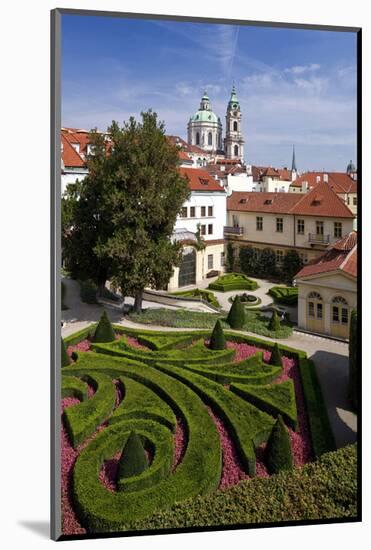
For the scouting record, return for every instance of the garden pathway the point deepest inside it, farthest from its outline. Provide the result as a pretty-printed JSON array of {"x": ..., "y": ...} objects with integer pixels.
[{"x": 329, "y": 356}]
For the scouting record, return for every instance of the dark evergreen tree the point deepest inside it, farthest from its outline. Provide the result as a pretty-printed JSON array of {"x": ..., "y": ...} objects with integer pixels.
[
  {"x": 267, "y": 262},
  {"x": 104, "y": 331},
  {"x": 236, "y": 316},
  {"x": 353, "y": 367},
  {"x": 276, "y": 358},
  {"x": 230, "y": 257},
  {"x": 248, "y": 261},
  {"x": 278, "y": 450},
  {"x": 217, "y": 340},
  {"x": 274, "y": 322},
  {"x": 133, "y": 460},
  {"x": 292, "y": 264},
  {"x": 65, "y": 360}
]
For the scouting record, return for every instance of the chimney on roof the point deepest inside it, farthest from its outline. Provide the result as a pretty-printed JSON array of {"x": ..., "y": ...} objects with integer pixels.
[
  {"x": 304, "y": 186},
  {"x": 325, "y": 178},
  {"x": 318, "y": 178}
]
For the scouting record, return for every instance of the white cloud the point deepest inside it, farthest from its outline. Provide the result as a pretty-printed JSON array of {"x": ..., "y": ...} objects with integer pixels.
[{"x": 300, "y": 69}]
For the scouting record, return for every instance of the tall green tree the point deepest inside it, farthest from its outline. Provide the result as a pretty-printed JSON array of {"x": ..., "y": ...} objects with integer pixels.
[
  {"x": 248, "y": 262},
  {"x": 291, "y": 265},
  {"x": 230, "y": 257},
  {"x": 119, "y": 221},
  {"x": 267, "y": 262}
]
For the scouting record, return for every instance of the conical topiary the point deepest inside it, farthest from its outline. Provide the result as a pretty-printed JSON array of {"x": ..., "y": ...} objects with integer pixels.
[
  {"x": 274, "y": 322},
  {"x": 217, "y": 340},
  {"x": 276, "y": 358},
  {"x": 278, "y": 451},
  {"x": 65, "y": 357},
  {"x": 236, "y": 316},
  {"x": 133, "y": 460},
  {"x": 104, "y": 331}
]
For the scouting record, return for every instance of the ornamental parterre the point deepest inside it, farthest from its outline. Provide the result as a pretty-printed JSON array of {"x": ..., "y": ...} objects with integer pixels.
[{"x": 203, "y": 417}]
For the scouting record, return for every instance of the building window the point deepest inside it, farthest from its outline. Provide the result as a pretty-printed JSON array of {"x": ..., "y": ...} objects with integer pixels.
[
  {"x": 319, "y": 228},
  {"x": 203, "y": 211},
  {"x": 210, "y": 229},
  {"x": 300, "y": 227},
  {"x": 210, "y": 261},
  {"x": 192, "y": 213},
  {"x": 210, "y": 211},
  {"x": 210, "y": 138},
  {"x": 354, "y": 201},
  {"x": 315, "y": 305},
  {"x": 236, "y": 150},
  {"x": 197, "y": 138},
  {"x": 184, "y": 212},
  {"x": 222, "y": 258},
  {"x": 348, "y": 199},
  {"x": 340, "y": 312},
  {"x": 304, "y": 257},
  {"x": 310, "y": 309},
  {"x": 259, "y": 223},
  {"x": 235, "y": 127},
  {"x": 279, "y": 225},
  {"x": 338, "y": 230},
  {"x": 319, "y": 311},
  {"x": 279, "y": 256},
  {"x": 203, "y": 229}
]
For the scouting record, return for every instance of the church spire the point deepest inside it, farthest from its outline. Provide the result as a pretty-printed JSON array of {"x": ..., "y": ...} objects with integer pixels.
[{"x": 293, "y": 165}]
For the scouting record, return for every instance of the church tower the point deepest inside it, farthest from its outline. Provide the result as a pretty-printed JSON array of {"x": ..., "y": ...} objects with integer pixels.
[{"x": 233, "y": 141}]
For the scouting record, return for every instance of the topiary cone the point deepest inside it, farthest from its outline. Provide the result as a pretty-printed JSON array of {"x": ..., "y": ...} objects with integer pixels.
[
  {"x": 133, "y": 460},
  {"x": 276, "y": 358},
  {"x": 278, "y": 451},
  {"x": 236, "y": 316},
  {"x": 217, "y": 340},
  {"x": 65, "y": 357},
  {"x": 274, "y": 322},
  {"x": 104, "y": 331}
]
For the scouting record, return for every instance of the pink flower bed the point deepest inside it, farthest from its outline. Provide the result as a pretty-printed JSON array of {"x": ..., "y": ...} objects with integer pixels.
[
  {"x": 133, "y": 342},
  {"x": 84, "y": 345},
  {"x": 180, "y": 443}
]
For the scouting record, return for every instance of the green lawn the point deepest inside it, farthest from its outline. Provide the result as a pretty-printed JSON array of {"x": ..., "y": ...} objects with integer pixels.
[{"x": 182, "y": 318}]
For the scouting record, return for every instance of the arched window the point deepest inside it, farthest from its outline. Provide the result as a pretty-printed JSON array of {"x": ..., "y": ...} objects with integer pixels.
[
  {"x": 235, "y": 126},
  {"x": 236, "y": 150},
  {"x": 339, "y": 300},
  {"x": 210, "y": 138},
  {"x": 197, "y": 138},
  {"x": 314, "y": 296},
  {"x": 340, "y": 311}
]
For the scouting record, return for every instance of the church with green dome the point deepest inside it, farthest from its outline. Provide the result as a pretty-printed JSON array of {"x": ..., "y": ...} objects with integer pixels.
[{"x": 205, "y": 129}]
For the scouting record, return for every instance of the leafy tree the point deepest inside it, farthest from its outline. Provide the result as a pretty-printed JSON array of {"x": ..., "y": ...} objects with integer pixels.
[
  {"x": 104, "y": 331},
  {"x": 353, "y": 359},
  {"x": 65, "y": 357},
  {"x": 291, "y": 265},
  {"x": 236, "y": 316},
  {"x": 248, "y": 261},
  {"x": 276, "y": 358},
  {"x": 125, "y": 210},
  {"x": 267, "y": 262},
  {"x": 230, "y": 257},
  {"x": 133, "y": 460},
  {"x": 217, "y": 340},
  {"x": 278, "y": 450},
  {"x": 86, "y": 219},
  {"x": 274, "y": 322}
]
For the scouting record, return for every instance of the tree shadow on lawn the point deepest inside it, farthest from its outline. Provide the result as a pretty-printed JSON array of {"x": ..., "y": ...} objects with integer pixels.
[{"x": 332, "y": 371}]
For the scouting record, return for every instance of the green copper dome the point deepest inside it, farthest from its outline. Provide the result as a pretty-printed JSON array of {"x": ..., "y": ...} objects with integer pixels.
[
  {"x": 233, "y": 102},
  {"x": 204, "y": 116}
]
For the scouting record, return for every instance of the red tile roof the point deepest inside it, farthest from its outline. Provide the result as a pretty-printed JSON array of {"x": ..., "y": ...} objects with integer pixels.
[
  {"x": 340, "y": 256},
  {"x": 70, "y": 156},
  {"x": 340, "y": 182},
  {"x": 200, "y": 180},
  {"x": 176, "y": 140},
  {"x": 259, "y": 172},
  {"x": 321, "y": 201}
]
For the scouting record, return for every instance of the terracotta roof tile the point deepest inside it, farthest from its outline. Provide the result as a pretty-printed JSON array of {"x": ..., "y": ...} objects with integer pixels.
[
  {"x": 70, "y": 156},
  {"x": 200, "y": 180},
  {"x": 276, "y": 203},
  {"x": 322, "y": 201},
  {"x": 340, "y": 182},
  {"x": 335, "y": 258}
]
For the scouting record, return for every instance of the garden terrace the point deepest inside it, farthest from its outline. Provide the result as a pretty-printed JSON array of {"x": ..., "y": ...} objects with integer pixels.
[
  {"x": 198, "y": 293},
  {"x": 233, "y": 281},
  {"x": 200, "y": 415}
]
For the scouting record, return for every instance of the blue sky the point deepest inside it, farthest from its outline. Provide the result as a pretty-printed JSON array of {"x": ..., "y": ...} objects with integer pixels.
[{"x": 294, "y": 86}]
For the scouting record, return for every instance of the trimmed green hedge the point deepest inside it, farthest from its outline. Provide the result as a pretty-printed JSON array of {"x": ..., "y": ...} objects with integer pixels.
[
  {"x": 274, "y": 399},
  {"x": 206, "y": 295},
  {"x": 325, "y": 489},
  {"x": 286, "y": 295},
  {"x": 248, "y": 425},
  {"x": 74, "y": 387},
  {"x": 320, "y": 428},
  {"x": 104, "y": 331},
  {"x": 233, "y": 281},
  {"x": 82, "y": 420},
  {"x": 278, "y": 451},
  {"x": 133, "y": 460},
  {"x": 142, "y": 402},
  {"x": 217, "y": 338}
]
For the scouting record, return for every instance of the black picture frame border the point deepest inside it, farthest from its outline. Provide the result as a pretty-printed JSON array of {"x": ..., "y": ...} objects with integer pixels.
[{"x": 55, "y": 281}]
